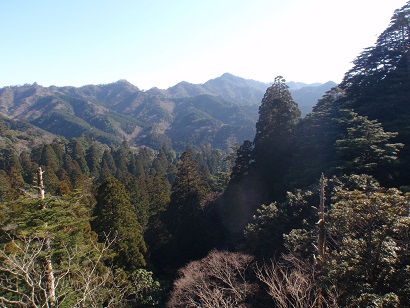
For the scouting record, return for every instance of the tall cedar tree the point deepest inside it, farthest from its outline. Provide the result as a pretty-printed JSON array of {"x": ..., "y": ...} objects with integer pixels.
[
  {"x": 108, "y": 168},
  {"x": 258, "y": 176},
  {"x": 115, "y": 218},
  {"x": 278, "y": 116},
  {"x": 184, "y": 216},
  {"x": 77, "y": 154},
  {"x": 93, "y": 161},
  {"x": 29, "y": 167},
  {"x": 49, "y": 158}
]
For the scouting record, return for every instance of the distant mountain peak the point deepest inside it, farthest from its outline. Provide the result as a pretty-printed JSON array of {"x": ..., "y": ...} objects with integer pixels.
[
  {"x": 230, "y": 76},
  {"x": 125, "y": 83}
]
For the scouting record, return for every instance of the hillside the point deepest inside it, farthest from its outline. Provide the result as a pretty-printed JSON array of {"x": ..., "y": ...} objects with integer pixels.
[{"x": 222, "y": 111}]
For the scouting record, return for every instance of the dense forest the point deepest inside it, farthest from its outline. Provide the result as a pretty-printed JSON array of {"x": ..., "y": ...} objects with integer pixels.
[{"x": 314, "y": 211}]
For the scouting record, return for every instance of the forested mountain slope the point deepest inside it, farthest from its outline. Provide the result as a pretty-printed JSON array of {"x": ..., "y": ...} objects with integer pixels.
[
  {"x": 221, "y": 111},
  {"x": 308, "y": 211}
]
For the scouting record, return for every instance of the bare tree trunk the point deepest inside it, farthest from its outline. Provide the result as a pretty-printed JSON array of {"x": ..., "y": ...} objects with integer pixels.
[
  {"x": 48, "y": 265},
  {"x": 50, "y": 279},
  {"x": 40, "y": 185},
  {"x": 321, "y": 243}
]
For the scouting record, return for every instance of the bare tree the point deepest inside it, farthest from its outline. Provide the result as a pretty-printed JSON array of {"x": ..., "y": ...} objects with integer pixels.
[
  {"x": 293, "y": 285},
  {"x": 320, "y": 257},
  {"x": 219, "y": 280},
  {"x": 79, "y": 281},
  {"x": 49, "y": 283}
]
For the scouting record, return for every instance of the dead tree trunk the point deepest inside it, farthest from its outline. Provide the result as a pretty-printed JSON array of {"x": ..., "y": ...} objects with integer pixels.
[
  {"x": 48, "y": 265},
  {"x": 321, "y": 242},
  {"x": 40, "y": 186}
]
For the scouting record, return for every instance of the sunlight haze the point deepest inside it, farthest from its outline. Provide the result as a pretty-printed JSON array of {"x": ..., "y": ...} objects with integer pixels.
[{"x": 160, "y": 43}]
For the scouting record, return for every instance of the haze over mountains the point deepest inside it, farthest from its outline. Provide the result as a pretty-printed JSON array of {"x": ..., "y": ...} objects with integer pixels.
[{"x": 221, "y": 111}]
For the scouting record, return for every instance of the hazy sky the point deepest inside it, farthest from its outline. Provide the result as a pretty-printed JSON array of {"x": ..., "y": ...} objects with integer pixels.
[{"x": 161, "y": 42}]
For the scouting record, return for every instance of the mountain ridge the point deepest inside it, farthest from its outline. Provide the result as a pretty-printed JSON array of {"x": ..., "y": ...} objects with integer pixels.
[{"x": 221, "y": 109}]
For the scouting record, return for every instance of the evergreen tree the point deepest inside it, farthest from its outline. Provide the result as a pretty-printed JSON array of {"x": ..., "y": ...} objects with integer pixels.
[
  {"x": 115, "y": 218},
  {"x": 159, "y": 192},
  {"x": 378, "y": 85},
  {"x": 188, "y": 185},
  {"x": 122, "y": 157},
  {"x": 28, "y": 167},
  {"x": 72, "y": 168},
  {"x": 93, "y": 161},
  {"x": 53, "y": 183},
  {"x": 388, "y": 58},
  {"x": 105, "y": 172},
  {"x": 368, "y": 226},
  {"x": 49, "y": 158},
  {"x": 77, "y": 154},
  {"x": 140, "y": 199},
  {"x": 366, "y": 146},
  {"x": 81, "y": 279},
  {"x": 278, "y": 117},
  {"x": 315, "y": 152},
  {"x": 5, "y": 158},
  {"x": 59, "y": 150},
  {"x": 107, "y": 164},
  {"x": 258, "y": 176},
  {"x": 160, "y": 163},
  {"x": 265, "y": 235},
  {"x": 6, "y": 193},
  {"x": 242, "y": 161},
  {"x": 184, "y": 217}
]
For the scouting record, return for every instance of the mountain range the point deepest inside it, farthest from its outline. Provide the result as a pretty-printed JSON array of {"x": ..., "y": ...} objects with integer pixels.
[{"x": 222, "y": 111}]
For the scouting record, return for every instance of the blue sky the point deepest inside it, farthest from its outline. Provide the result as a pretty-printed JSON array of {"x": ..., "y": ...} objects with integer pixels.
[{"x": 159, "y": 43}]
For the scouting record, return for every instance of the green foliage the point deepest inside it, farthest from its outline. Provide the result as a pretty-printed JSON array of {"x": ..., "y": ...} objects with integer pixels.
[
  {"x": 315, "y": 137},
  {"x": 366, "y": 145},
  {"x": 242, "y": 161},
  {"x": 64, "y": 220},
  {"x": 145, "y": 290},
  {"x": 183, "y": 225},
  {"x": 159, "y": 192},
  {"x": 188, "y": 182},
  {"x": 258, "y": 176},
  {"x": 367, "y": 240},
  {"x": 275, "y": 227},
  {"x": 49, "y": 158},
  {"x": 93, "y": 158},
  {"x": 55, "y": 229},
  {"x": 263, "y": 235},
  {"x": 278, "y": 117},
  {"x": 115, "y": 218},
  {"x": 369, "y": 227},
  {"x": 187, "y": 191},
  {"x": 6, "y": 192},
  {"x": 278, "y": 113},
  {"x": 77, "y": 153},
  {"x": 378, "y": 85},
  {"x": 388, "y": 57},
  {"x": 334, "y": 140},
  {"x": 29, "y": 168}
]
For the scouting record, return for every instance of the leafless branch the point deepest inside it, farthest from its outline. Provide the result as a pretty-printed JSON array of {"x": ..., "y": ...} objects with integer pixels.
[{"x": 217, "y": 281}]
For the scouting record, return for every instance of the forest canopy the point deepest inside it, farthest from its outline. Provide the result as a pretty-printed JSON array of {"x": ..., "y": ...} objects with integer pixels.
[{"x": 313, "y": 211}]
